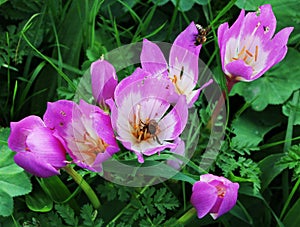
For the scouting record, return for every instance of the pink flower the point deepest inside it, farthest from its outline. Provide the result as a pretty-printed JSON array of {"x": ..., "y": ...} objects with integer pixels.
[
  {"x": 214, "y": 195},
  {"x": 248, "y": 48},
  {"x": 142, "y": 115},
  {"x": 104, "y": 81},
  {"x": 85, "y": 131},
  {"x": 183, "y": 63},
  {"x": 38, "y": 151}
]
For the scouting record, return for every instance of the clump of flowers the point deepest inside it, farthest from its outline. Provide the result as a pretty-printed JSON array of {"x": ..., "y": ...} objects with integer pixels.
[{"x": 148, "y": 110}]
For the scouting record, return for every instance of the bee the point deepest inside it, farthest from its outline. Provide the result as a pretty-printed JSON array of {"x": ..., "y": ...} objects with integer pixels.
[
  {"x": 152, "y": 128},
  {"x": 201, "y": 36}
]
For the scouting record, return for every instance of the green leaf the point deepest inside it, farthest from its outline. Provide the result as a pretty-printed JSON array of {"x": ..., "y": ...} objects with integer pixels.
[
  {"x": 13, "y": 180},
  {"x": 67, "y": 214},
  {"x": 251, "y": 127},
  {"x": 6, "y": 204},
  {"x": 292, "y": 160},
  {"x": 275, "y": 87},
  {"x": 183, "y": 5},
  {"x": 270, "y": 169},
  {"x": 292, "y": 218},
  {"x": 39, "y": 201}
]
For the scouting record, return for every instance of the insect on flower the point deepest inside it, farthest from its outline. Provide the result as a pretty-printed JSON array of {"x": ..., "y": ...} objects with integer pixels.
[
  {"x": 202, "y": 33},
  {"x": 151, "y": 129}
]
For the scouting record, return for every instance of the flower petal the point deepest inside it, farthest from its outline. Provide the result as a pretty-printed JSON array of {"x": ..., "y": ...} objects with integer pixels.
[
  {"x": 240, "y": 70},
  {"x": 59, "y": 114},
  {"x": 174, "y": 122},
  {"x": 179, "y": 150},
  {"x": 152, "y": 59},
  {"x": 203, "y": 198},
  {"x": 104, "y": 80},
  {"x": 229, "y": 200},
  {"x": 35, "y": 165},
  {"x": 20, "y": 130}
]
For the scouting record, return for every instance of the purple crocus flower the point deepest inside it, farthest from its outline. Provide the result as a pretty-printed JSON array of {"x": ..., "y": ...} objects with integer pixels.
[
  {"x": 85, "y": 131},
  {"x": 104, "y": 81},
  {"x": 183, "y": 63},
  {"x": 214, "y": 195},
  {"x": 247, "y": 48},
  {"x": 38, "y": 151},
  {"x": 142, "y": 115}
]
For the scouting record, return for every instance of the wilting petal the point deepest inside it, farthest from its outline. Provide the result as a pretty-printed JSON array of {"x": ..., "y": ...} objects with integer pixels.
[
  {"x": 203, "y": 198},
  {"x": 104, "y": 81},
  {"x": 152, "y": 59}
]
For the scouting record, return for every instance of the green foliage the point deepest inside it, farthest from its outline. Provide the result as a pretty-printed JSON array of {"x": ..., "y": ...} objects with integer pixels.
[
  {"x": 276, "y": 85},
  {"x": 14, "y": 182},
  {"x": 251, "y": 127},
  {"x": 151, "y": 206},
  {"x": 292, "y": 160},
  {"x": 112, "y": 191}
]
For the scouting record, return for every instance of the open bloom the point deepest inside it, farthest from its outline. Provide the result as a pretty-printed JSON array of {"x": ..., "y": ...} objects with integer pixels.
[
  {"x": 104, "y": 81},
  {"x": 142, "y": 115},
  {"x": 247, "y": 48},
  {"x": 183, "y": 63},
  {"x": 214, "y": 195},
  {"x": 38, "y": 151},
  {"x": 85, "y": 131}
]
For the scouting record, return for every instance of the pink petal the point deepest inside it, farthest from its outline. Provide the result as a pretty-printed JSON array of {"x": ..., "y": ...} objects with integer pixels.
[
  {"x": 180, "y": 150},
  {"x": 45, "y": 146},
  {"x": 174, "y": 122},
  {"x": 203, "y": 198},
  {"x": 228, "y": 201},
  {"x": 20, "y": 130},
  {"x": 240, "y": 70},
  {"x": 104, "y": 80},
  {"x": 152, "y": 59},
  {"x": 59, "y": 114},
  {"x": 35, "y": 165}
]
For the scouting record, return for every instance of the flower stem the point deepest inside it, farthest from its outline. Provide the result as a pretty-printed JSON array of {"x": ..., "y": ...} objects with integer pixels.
[
  {"x": 84, "y": 186},
  {"x": 184, "y": 219}
]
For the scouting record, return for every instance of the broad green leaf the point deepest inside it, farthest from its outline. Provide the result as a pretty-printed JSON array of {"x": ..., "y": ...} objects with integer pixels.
[
  {"x": 270, "y": 169},
  {"x": 13, "y": 180},
  {"x": 184, "y": 5},
  {"x": 6, "y": 204},
  {"x": 251, "y": 127},
  {"x": 287, "y": 13},
  {"x": 39, "y": 201},
  {"x": 292, "y": 218},
  {"x": 159, "y": 2},
  {"x": 275, "y": 87}
]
